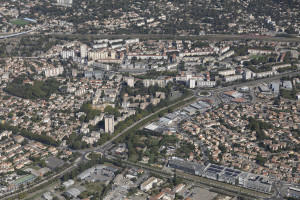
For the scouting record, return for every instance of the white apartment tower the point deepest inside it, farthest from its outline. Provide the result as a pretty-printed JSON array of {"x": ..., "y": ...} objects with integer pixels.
[
  {"x": 192, "y": 83},
  {"x": 83, "y": 51},
  {"x": 109, "y": 124}
]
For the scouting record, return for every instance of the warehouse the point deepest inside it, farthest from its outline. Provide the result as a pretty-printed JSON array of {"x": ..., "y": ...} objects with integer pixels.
[{"x": 189, "y": 167}]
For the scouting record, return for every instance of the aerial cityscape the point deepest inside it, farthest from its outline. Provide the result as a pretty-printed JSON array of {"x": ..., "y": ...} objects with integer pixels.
[{"x": 149, "y": 100}]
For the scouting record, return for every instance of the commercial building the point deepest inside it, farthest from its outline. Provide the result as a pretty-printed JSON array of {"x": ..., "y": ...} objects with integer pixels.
[
  {"x": 233, "y": 94},
  {"x": 287, "y": 85},
  {"x": 264, "y": 89},
  {"x": 255, "y": 182},
  {"x": 53, "y": 162},
  {"x": 275, "y": 87},
  {"x": 74, "y": 192},
  {"x": 221, "y": 173},
  {"x": 24, "y": 180},
  {"x": 151, "y": 127},
  {"x": 189, "y": 167},
  {"x": 148, "y": 184}
]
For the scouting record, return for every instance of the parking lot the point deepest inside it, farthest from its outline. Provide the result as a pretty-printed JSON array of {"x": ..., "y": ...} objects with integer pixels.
[{"x": 197, "y": 193}]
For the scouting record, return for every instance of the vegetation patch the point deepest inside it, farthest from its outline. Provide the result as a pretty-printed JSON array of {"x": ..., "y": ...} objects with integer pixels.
[
  {"x": 37, "y": 90},
  {"x": 19, "y": 22}
]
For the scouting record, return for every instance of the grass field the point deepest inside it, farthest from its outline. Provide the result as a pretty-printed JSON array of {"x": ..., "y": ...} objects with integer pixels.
[
  {"x": 256, "y": 56},
  {"x": 19, "y": 22}
]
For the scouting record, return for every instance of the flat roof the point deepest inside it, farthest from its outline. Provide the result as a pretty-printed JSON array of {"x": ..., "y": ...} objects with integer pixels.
[
  {"x": 152, "y": 127},
  {"x": 171, "y": 116},
  {"x": 186, "y": 164},
  {"x": 23, "y": 179},
  {"x": 264, "y": 88}
]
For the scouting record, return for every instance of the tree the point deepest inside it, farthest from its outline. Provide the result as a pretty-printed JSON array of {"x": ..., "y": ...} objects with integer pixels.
[
  {"x": 181, "y": 66},
  {"x": 77, "y": 145},
  {"x": 177, "y": 180},
  {"x": 260, "y": 160},
  {"x": 20, "y": 113},
  {"x": 42, "y": 163}
]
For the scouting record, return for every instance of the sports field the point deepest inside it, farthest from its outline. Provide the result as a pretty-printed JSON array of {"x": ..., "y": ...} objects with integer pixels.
[
  {"x": 19, "y": 22},
  {"x": 256, "y": 56}
]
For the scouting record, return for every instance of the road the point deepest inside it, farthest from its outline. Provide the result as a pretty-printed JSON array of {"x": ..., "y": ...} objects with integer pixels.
[
  {"x": 202, "y": 182},
  {"x": 105, "y": 146},
  {"x": 46, "y": 180},
  {"x": 255, "y": 82},
  {"x": 217, "y": 37},
  {"x": 23, "y": 33}
]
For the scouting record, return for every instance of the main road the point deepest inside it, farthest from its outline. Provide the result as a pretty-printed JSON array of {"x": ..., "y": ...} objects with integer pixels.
[
  {"x": 210, "y": 37},
  {"x": 70, "y": 168},
  {"x": 105, "y": 146},
  {"x": 256, "y": 82},
  {"x": 24, "y": 32},
  {"x": 217, "y": 37}
]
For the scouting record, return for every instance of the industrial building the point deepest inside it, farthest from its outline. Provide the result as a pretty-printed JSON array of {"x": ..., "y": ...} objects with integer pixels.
[
  {"x": 223, "y": 174},
  {"x": 189, "y": 167}
]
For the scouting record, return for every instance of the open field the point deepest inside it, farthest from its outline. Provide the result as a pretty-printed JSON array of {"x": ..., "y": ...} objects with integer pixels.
[
  {"x": 19, "y": 22},
  {"x": 256, "y": 56}
]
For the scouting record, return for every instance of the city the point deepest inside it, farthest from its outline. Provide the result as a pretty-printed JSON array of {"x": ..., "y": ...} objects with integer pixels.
[{"x": 112, "y": 100}]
